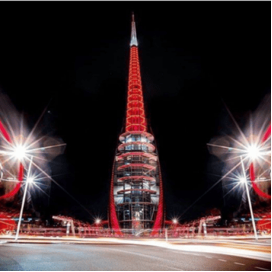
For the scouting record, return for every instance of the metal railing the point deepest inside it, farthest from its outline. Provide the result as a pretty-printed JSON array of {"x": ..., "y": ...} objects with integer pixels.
[
  {"x": 95, "y": 232},
  {"x": 134, "y": 160}
]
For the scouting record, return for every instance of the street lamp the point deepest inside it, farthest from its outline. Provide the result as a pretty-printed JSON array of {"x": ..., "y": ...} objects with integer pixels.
[
  {"x": 28, "y": 180},
  {"x": 97, "y": 221},
  {"x": 244, "y": 180}
]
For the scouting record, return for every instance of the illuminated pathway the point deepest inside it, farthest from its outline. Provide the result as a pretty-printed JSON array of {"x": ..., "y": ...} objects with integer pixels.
[{"x": 69, "y": 256}]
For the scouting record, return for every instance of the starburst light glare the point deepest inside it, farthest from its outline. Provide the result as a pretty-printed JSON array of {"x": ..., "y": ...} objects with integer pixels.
[
  {"x": 242, "y": 180},
  {"x": 19, "y": 152},
  {"x": 30, "y": 180},
  {"x": 175, "y": 221},
  {"x": 17, "y": 145},
  {"x": 97, "y": 221},
  {"x": 253, "y": 152}
]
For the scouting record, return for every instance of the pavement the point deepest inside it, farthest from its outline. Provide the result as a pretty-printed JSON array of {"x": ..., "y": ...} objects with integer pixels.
[{"x": 71, "y": 256}]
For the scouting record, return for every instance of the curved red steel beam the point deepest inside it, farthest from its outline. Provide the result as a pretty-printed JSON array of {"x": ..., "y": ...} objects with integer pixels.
[
  {"x": 15, "y": 190},
  {"x": 267, "y": 134},
  {"x": 160, "y": 213},
  {"x": 4, "y": 132},
  {"x": 113, "y": 220}
]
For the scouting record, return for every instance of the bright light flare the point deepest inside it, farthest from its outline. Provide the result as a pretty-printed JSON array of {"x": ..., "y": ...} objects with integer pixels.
[
  {"x": 253, "y": 152},
  {"x": 234, "y": 183},
  {"x": 242, "y": 180},
  {"x": 175, "y": 220},
  {"x": 97, "y": 221},
  {"x": 31, "y": 180},
  {"x": 19, "y": 152}
]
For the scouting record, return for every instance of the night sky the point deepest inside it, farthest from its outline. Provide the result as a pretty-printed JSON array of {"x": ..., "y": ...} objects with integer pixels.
[{"x": 73, "y": 58}]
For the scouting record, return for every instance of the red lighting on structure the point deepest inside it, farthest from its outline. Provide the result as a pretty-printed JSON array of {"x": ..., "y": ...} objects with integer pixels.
[
  {"x": 15, "y": 190},
  {"x": 113, "y": 222},
  {"x": 135, "y": 120},
  {"x": 266, "y": 136},
  {"x": 136, "y": 191},
  {"x": 160, "y": 214},
  {"x": 7, "y": 223}
]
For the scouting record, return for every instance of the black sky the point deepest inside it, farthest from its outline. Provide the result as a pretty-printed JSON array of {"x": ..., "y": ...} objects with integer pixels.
[{"x": 195, "y": 56}]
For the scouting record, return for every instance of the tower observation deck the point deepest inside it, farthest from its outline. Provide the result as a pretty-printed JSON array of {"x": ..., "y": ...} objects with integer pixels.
[{"x": 136, "y": 191}]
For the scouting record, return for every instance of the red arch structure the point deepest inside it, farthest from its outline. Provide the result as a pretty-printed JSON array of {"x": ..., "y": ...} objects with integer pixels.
[
  {"x": 160, "y": 213},
  {"x": 15, "y": 190},
  {"x": 113, "y": 221},
  {"x": 266, "y": 136}
]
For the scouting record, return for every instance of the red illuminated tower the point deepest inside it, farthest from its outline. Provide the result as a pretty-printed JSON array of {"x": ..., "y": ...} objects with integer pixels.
[{"x": 136, "y": 191}]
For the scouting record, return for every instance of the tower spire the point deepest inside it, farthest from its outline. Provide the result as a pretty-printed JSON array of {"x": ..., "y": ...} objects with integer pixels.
[
  {"x": 135, "y": 120},
  {"x": 136, "y": 191},
  {"x": 133, "y": 40}
]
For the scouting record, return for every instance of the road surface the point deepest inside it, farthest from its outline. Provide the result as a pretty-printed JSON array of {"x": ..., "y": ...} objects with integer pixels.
[
  {"x": 262, "y": 245},
  {"x": 117, "y": 257}
]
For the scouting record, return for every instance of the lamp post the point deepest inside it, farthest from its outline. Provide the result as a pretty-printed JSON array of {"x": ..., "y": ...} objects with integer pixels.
[
  {"x": 244, "y": 180},
  {"x": 28, "y": 180},
  {"x": 97, "y": 221}
]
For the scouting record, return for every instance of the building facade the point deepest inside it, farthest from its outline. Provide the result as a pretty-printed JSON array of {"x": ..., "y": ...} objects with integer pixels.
[{"x": 136, "y": 191}]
